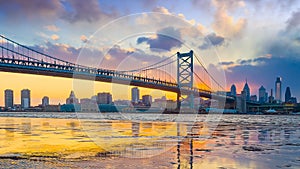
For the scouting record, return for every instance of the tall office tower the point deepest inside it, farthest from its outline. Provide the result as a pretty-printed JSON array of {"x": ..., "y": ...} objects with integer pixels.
[
  {"x": 135, "y": 95},
  {"x": 25, "y": 98},
  {"x": 246, "y": 89},
  {"x": 45, "y": 101},
  {"x": 233, "y": 90},
  {"x": 263, "y": 96},
  {"x": 147, "y": 100},
  {"x": 278, "y": 89},
  {"x": 104, "y": 98},
  {"x": 9, "y": 98},
  {"x": 72, "y": 99},
  {"x": 288, "y": 94},
  {"x": 271, "y": 98}
]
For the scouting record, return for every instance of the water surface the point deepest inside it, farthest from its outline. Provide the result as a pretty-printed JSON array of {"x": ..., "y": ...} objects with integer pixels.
[{"x": 149, "y": 140}]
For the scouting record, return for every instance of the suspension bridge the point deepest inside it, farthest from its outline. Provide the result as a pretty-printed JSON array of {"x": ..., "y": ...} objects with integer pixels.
[{"x": 18, "y": 58}]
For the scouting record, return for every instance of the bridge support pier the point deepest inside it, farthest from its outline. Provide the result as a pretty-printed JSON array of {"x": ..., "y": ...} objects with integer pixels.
[
  {"x": 185, "y": 76},
  {"x": 178, "y": 102}
]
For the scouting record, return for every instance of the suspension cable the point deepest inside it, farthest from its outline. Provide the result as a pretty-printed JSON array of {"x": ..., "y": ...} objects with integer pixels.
[
  {"x": 209, "y": 73},
  {"x": 149, "y": 66}
]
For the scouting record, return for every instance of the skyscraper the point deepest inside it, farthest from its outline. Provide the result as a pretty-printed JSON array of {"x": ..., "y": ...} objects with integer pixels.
[
  {"x": 262, "y": 94},
  {"x": 271, "y": 98},
  {"x": 147, "y": 100},
  {"x": 278, "y": 89},
  {"x": 233, "y": 90},
  {"x": 25, "y": 98},
  {"x": 45, "y": 101},
  {"x": 135, "y": 95},
  {"x": 9, "y": 98},
  {"x": 104, "y": 98},
  {"x": 72, "y": 99},
  {"x": 288, "y": 94},
  {"x": 246, "y": 89}
]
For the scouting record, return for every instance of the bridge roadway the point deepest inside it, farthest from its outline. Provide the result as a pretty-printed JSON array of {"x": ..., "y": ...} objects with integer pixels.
[{"x": 102, "y": 75}]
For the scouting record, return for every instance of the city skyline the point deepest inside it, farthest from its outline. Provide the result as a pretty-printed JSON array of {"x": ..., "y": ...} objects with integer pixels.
[
  {"x": 247, "y": 45},
  {"x": 261, "y": 96},
  {"x": 71, "y": 98}
]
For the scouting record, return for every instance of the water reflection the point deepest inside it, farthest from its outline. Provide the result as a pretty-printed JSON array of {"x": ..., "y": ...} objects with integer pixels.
[{"x": 237, "y": 142}]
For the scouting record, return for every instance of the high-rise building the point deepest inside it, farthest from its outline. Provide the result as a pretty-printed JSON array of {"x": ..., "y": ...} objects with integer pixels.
[
  {"x": 246, "y": 89},
  {"x": 104, "y": 98},
  {"x": 293, "y": 100},
  {"x": 147, "y": 100},
  {"x": 253, "y": 98},
  {"x": 135, "y": 95},
  {"x": 262, "y": 94},
  {"x": 233, "y": 90},
  {"x": 25, "y": 98},
  {"x": 278, "y": 89},
  {"x": 288, "y": 94},
  {"x": 72, "y": 99},
  {"x": 271, "y": 98},
  {"x": 45, "y": 101},
  {"x": 9, "y": 98}
]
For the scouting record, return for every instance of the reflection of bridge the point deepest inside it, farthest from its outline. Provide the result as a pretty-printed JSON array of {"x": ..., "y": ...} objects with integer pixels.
[{"x": 21, "y": 59}]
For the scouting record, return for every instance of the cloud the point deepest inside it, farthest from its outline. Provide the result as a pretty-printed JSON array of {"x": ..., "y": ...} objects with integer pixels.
[
  {"x": 161, "y": 9},
  {"x": 37, "y": 11},
  {"x": 271, "y": 5},
  {"x": 88, "y": 11},
  {"x": 86, "y": 56},
  {"x": 212, "y": 40},
  {"x": 294, "y": 21},
  {"x": 227, "y": 63},
  {"x": 223, "y": 23},
  {"x": 165, "y": 39},
  {"x": 54, "y": 37},
  {"x": 61, "y": 51},
  {"x": 83, "y": 38},
  {"x": 52, "y": 28},
  {"x": 19, "y": 10}
]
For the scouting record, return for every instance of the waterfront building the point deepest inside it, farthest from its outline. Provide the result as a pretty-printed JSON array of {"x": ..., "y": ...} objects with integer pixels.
[
  {"x": 288, "y": 94},
  {"x": 9, "y": 98},
  {"x": 278, "y": 90},
  {"x": 147, "y": 100},
  {"x": 122, "y": 102},
  {"x": 246, "y": 89},
  {"x": 233, "y": 90},
  {"x": 293, "y": 100},
  {"x": 104, "y": 98},
  {"x": 25, "y": 98},
  {"x": 271, "y": 98},
  {"x": 45, "y": 101},
  {"x": 253, "y": 98},
  {"x": 89, "y": 105},
  {"x": 72, "y": 99},
  {"x": 51, "y": 108},
  {"x": 262, "y": 95},
  {"x": 135, "y": 95},
  {"x": 241, "y": 105}
]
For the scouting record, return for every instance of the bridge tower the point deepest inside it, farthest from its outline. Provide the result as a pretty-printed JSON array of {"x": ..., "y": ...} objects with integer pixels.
[{"x": 185, "y": 75}]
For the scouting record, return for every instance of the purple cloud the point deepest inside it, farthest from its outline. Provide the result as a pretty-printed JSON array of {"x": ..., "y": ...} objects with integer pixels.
[
  {"x": 165, "y": 39},
  {"x": 212, "y": 40},
  {"x": 33, "y": 9}
]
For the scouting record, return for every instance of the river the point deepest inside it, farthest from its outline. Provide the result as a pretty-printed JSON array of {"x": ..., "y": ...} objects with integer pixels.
[{"x": 115, "y": 140}]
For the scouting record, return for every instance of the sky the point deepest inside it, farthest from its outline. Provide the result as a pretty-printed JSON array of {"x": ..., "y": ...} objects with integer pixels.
[{"x": 236, "y": 40}]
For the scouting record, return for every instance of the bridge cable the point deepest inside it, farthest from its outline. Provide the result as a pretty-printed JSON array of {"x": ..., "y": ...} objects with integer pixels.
[
  {"x": 149, "y": 66},
  {"x": 209, "y": 73}
]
